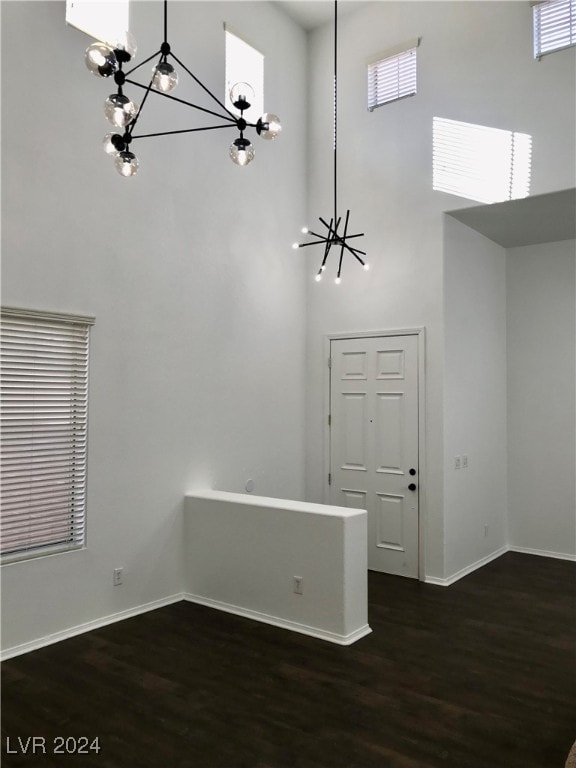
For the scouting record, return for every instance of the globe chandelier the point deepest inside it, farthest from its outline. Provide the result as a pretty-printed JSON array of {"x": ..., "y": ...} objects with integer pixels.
[
  {"x": 333, "y": 234},
  {"x": 108, "y": 60}
]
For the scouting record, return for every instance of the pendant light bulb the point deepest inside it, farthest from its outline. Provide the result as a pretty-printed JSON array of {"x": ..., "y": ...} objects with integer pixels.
[
  {"x": 126, "y": 164},
  {"x": 100, "y": 60},
  {"x": 269, "y": 126},
  {"x": 165, "y": 78},
  {"x": 108, "y": 145},
  {"x": 318, "y": 276},
  {"x": 242, "y": 152},
  {"x": 295, "y": 246},
  {"x": 304, "y": 230},
  {"x": 242, "y": 95},
  {"x": 337, "y": 280},
  {"x": 119, "y": 110},
  {"x": 367, "y": 267}
]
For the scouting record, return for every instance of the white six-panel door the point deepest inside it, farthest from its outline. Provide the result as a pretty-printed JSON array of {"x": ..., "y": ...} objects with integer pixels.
[{"x": 374, "y": 443}]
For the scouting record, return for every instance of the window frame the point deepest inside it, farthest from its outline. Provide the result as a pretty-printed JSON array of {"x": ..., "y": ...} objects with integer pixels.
[{"x": 405, "y": 83}]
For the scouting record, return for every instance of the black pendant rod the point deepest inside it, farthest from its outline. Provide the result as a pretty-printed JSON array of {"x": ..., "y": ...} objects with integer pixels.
[
  {"x": 335, "y": 107},
  {"x": 165, "y": 21}
]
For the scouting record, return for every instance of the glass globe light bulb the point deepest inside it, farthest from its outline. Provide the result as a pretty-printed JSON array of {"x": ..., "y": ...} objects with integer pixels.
[
  {"x": 108, "y": 145},
  {"x": 271, "y": 127},
  {"x": 242, "y": 92},
  {"x": 125, "y": 42},
  {"x": 165, "y": 78},
  {"x": 100, "y": 60},
  {"x": 126, "y": 164},
  {"x": 119, "y": 110},
  {"x": 242, "y": 154}
]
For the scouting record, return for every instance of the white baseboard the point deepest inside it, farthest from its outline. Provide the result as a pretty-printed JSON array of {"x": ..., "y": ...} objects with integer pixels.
[
  {"x": 41, "y": 642},
  {"x": 543, "y": 553},
  {"x": 465, "y": 571},
  {"x": 303, "y": 629}
]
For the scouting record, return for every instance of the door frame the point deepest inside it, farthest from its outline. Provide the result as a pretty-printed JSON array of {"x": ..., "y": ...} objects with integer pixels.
[{"x": 420, "y": 333}]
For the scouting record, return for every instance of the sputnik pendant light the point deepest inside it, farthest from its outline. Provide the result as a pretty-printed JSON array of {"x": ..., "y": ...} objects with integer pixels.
[
  {"x": 335, "y": 235},
  {"x": 107, "y": 60}
]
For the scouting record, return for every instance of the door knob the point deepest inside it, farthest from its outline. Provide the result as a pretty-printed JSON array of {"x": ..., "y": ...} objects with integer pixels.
[
  {"x": 412, "y": 471},
  {"x": 412, "y": 487}
]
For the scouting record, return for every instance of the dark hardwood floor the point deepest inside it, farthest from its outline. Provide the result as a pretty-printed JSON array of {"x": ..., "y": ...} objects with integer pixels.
[{"x": 481, "y": 674}]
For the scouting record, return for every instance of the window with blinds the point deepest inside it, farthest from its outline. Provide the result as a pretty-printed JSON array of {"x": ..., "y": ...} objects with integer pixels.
[
  {"x": 554, "y": 26},
  {"x": 392, "y": 76},
  {"x": 43, "y": 425}
]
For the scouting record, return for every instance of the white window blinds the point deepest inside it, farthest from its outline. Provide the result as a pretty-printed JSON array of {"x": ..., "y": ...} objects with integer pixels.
[
  {"x": 554, "y": 26},
  {"x": 392, "y": 76},
  {"x": 44, "y": 419}
]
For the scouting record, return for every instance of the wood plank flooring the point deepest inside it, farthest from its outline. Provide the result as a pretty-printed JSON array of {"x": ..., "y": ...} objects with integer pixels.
[{"x": 481, "y": 674}]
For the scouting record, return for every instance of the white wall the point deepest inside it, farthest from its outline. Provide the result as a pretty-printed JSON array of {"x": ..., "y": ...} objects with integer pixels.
[
  {"x": 541, "y": 397},
  {"x": 474, "y": 64},
  {"x": 197, "y": 356},
  {"x": 243, "y": 552},
  {"x": 474, "y": 396}
]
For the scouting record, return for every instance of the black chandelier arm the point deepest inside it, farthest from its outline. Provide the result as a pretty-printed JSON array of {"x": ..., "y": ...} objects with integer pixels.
[
  {"x": 355, "y": 251},
  {"x": 185, "y": 130},
  {"x": 359, "y": 259},
  {"x": 201, "y": 84},
  {"x": 148, "y": 89},
  {"x": 182, "y": 101},
  {"x": 329, "y": 226},
  {"x": 130, "y": 71},
  {"x": 343, "y": 239},
  {"x": 316, "y": 242}
]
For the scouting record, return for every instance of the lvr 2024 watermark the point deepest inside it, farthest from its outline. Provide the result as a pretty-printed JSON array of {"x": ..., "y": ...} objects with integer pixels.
[{"x": 58, "y": 745}]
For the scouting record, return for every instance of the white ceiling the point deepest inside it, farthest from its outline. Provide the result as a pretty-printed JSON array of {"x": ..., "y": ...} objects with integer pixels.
[{"x": 313, "y": 13}]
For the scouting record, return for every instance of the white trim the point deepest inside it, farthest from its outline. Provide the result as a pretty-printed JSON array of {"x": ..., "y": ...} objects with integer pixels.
[
  {"x": 469, "y": 569},
  {"x": 56, "y": 637},
  {"x": 303, "y": 629},
  {"x": 37, "y": 314},
  {"x": 420, "y": 332},
  {"x": 407, "y": 45},
  {"x": 543, "y": 553}
]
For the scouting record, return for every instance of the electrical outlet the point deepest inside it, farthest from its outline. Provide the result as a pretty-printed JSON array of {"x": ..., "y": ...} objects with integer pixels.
[
  {"x": 117, "y": 578},
  {"x": 457, "y": 462},
  {"x": 298, "y": 585},
  {"x": 464, "y": 461}
]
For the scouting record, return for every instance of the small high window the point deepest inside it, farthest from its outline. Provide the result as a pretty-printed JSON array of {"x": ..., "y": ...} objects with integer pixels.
[
  {"x": 392, "y": 76},
  {"x": 103, "y": 21},
  {"x": 554, "y": 26},
  {"x": 244, "y": 64}
]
